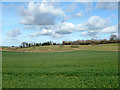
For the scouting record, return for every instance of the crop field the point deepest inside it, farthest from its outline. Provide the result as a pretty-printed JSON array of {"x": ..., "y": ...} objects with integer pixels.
[{"x": 73, "y": 69}]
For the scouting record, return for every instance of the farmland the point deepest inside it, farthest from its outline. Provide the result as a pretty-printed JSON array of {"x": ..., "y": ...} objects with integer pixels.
[
  {"x": 73, "y": 69},
  {"x": 64, "y": 48},
  {"x": 48, "y": 44}
]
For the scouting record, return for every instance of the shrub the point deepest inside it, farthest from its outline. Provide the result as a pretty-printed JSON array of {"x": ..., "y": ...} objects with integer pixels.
[{"x": 74, "y": 46}]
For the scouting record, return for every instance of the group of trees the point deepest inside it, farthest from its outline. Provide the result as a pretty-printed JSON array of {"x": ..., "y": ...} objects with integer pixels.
[
  {"x": 88, "y": 42},
  {"x": 25, "y": 44},
  {"x": 113, "y": 39}
]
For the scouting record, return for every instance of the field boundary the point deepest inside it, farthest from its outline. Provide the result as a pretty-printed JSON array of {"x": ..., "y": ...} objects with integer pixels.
[{"x": 59, "y": 51}]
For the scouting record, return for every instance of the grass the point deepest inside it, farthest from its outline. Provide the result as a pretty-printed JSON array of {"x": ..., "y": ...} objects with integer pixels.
[{"x": 74, "y": 69}]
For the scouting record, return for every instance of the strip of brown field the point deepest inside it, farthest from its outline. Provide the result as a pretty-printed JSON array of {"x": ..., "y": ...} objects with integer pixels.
[
  {"x": 0, "y": 49},
  {"x": 58, "y": 51}
]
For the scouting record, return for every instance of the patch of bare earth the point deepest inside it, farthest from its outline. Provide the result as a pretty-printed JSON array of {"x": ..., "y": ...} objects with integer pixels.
[
  {"x": 74, "y": 49},
  {"x": 95, "y": 49}
]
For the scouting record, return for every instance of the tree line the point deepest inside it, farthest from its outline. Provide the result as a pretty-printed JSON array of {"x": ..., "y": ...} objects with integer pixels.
[{"x": 113, "y": 39}]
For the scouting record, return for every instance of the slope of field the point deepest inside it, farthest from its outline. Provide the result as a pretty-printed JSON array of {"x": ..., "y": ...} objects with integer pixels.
[
  {"x": 60, "y": 48},
  {"x": 75, "y": 69}
]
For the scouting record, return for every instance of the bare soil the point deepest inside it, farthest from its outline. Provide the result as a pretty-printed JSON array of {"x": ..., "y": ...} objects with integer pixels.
[{"x": 75, "y": 49}]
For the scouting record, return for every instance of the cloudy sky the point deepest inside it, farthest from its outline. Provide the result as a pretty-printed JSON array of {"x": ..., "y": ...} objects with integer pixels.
[{"x": 57, "y": 21}]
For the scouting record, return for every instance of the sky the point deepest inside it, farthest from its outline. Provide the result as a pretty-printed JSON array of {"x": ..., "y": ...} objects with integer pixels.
[{"x": 57, "y": 21}]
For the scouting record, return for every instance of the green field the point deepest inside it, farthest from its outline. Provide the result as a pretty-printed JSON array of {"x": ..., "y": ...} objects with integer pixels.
[{"x": 74, "y": 69}]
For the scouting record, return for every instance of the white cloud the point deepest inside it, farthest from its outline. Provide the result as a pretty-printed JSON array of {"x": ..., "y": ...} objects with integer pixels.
[
  {"x": 111, "y": 29},
  {"x": 89, "y": 33},
  {"x": 84, "y": 33},
  {"x": 67, "y": 28},
  {"x": 64, "y": 31},
  {"x": 56, "y": 35},
  {"x": 96, "y": 23},
  {"x": 46, "y": 32},
  {"x": 13, "y": 33},
  {"x": 80, "y": 27},
  {"x": 79, "y": 14},
  {"x": 92, "y": 27},
  {"x": 41, "y": 14},
  {"x": 107, "y": 5},
  {"x": 56, "y": 30},
  {"x": 64, "y": 28},
  {"x": 42, "y": 32}
]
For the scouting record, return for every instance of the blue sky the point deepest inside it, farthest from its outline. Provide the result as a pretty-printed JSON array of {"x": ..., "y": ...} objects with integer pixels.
[{"x": 40, "y": 22}]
